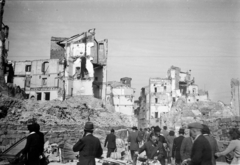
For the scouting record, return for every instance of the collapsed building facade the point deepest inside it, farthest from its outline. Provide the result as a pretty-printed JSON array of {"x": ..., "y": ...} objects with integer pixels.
[
  {"x": 121, "y": 96},
  {"x": 77, "y": 66},
  {"x": 158, "y": 97}
]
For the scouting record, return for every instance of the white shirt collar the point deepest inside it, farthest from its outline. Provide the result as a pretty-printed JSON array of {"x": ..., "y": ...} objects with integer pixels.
[{"x": 31, "y": 133}]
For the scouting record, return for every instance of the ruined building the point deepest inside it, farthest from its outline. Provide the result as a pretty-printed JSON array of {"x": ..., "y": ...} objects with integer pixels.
[
  {"x": 78, "y": 66},
  {"x": 164, "y": 92},
  {"x": 85, "y": 63},
  {"x": 121, "y": 96},
  {"x": 235, "y": 101},
  {"x": 39, "y": 78}
]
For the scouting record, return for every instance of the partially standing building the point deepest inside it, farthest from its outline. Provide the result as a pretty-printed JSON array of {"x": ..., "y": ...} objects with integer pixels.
[{"x": 39, "y": 78}]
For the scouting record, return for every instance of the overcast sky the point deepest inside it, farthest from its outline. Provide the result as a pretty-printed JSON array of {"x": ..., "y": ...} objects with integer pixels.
[{"x": 146, "y": 37}]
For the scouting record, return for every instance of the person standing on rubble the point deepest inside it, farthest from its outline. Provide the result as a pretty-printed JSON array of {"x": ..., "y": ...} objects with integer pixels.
[
  {"x": 110, "y": 141},
  {"x": 89, "y": 147}
]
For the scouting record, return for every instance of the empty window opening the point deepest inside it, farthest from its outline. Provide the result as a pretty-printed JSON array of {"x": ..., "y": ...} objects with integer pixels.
[
  {"x": 45, "y": 67},
  {"x": 44, "y": 81},
  {"x": 156, "y": 100},
  {"x": 101, "y": 46},
  {"x": 27, "y": 96},
  {"x": 47, "y": 95},
  {"x": 197, "y": 99},
  {"x": 155, "y": 90},
  {"x": 174, "y": 99},
  {"x": 28, "y": 68},
  {"x": 27, "y": 81},
  {"x": 156, "y": 114},
  {"x": 39, "y": 96},
  {"x": 96, "y": 78},
  {"x": 165, "y": 88}
]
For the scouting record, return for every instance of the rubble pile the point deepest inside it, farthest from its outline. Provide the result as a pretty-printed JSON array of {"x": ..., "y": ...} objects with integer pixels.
[
  {"x": 63, "y": 120},
  {"x": 75, "y": 110}
]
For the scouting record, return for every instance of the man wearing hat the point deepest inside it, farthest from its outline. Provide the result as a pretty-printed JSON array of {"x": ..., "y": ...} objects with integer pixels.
[
  {"x": 133, "y": 143},
  {"x": 177, "y": 146},
  {"x": 201, "y": 150},
  {"x": 161, "y": 139},
  {"x": 110, "y": 142},
  {"x": 212, "y": 141},
  {"x": 89, "y": 146}
]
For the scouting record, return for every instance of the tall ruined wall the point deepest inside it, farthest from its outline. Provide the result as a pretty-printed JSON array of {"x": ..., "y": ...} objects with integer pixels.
[{"x": 235, "y": 101}]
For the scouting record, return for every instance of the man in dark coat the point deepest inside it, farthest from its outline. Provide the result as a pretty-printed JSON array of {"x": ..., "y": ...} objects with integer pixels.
[
  {"x": 32, "y": 149},
  {"x": 201, "y": 150},
  {"x": 177, "y": 146},
  {"x": 111, "y": 143},
  {"x": 153, "y": 148},
  {"x": 89, "y": 146},
  {"x": 186, "y": 148},
  {"x": 133, "y": 142},
  {"x": 161, "y": 139},
  {"x": 212, "y": 141}
]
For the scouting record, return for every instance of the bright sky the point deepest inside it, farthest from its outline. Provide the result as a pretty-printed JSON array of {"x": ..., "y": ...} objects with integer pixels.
[{"x": 145, "y": 37}]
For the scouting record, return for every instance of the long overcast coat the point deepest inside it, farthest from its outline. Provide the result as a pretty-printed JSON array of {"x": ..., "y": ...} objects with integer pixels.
[{"x": 89, "y": 148}]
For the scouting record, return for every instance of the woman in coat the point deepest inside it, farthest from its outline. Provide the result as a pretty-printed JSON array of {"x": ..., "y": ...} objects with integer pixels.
[
  {"x": 170, "y": 139},
  {"x": 234, "y": 146}
]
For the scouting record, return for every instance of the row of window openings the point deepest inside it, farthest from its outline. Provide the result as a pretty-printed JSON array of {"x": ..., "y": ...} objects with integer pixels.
[
  {"x": 39, "y": 96},
  {"x": 45, "y": 66},
  {"x": 28, "y": 82},
  {"x": 155, "y": 89}
]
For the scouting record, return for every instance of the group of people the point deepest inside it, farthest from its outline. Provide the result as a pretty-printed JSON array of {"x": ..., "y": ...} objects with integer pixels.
[{"x": 200, "y": 148}]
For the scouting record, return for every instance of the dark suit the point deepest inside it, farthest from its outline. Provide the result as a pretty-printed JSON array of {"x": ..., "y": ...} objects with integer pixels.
[
  {"x": 186, "y": 148},
  {"x": 32, "y": 149},
  {"x": 213, "y": 143},
  {"x": 201, "y": 152},
  {"x": 89, "y": 148},
  {"x": 176, "y": 149},
  {"x": 163, "y": 140},
  {"x": 111, "y": 143},
  {"x": 133, "y": 139}
]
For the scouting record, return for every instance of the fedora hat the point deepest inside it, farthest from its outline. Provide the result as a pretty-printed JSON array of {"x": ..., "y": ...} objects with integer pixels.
[
  {"x": 181, "y": 131},
  {"x": 88, "y": 126}
]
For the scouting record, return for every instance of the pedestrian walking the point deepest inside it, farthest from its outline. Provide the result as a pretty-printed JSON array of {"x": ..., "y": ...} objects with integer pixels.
[
  {"x": 161, "y": 138},
  {"x": 110, "y": 141},
  {"x": 234, "y": 146},
  {"x": 186, "y": 148},
  {"x": 201, "y": 150},
  {"x": 165, "y": 132},
  {"x": 177, "y": 142},
  {"x": 140, "y": 136},
  {"x": 133, "y": 143},
  {"x": 170, "y": 138},
  {"x": 89, "y": 147},
  {"x": 212, "y": 141},
  {"x": 32, "y": 149}
]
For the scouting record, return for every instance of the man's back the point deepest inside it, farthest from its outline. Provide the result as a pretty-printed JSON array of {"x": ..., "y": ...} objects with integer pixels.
[
  {"x": 186, "y": 148},
  {"x": 201, "y": 152},
  {"x": 89, "y": 148},
  {"x": 214, "y": 147},
  {"x": 133, "y": 139},
  {"x": 111, "y": 140}
]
